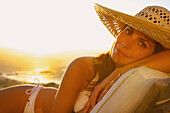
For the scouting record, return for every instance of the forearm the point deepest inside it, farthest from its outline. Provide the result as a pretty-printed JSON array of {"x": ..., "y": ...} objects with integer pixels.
[{"x": 159, "y": 61}]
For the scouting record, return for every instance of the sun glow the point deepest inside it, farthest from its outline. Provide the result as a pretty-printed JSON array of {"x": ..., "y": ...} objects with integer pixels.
[
  {"x": 41, "y": 27},
  {"x": 32, "y": 79},
  {"x": 38, "y": 70},
  {"x": 41, "y": 78}
]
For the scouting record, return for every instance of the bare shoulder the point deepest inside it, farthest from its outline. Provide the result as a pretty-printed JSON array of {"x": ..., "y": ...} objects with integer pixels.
[
  {"x": 84, "y": 61},
  {"x": 84, "y": 65}
]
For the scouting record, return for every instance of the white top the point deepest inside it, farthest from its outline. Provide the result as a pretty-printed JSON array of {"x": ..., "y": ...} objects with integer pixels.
[
  {"x": 29, "y": 107},
  {"x": 84, "y": 95}
]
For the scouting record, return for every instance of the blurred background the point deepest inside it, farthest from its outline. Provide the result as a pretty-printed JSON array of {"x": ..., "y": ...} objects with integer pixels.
[{"x": 39, "y": 38}]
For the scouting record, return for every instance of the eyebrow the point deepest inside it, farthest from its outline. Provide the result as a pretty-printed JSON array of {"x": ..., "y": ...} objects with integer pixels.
[{"x": 145, "y": 40}]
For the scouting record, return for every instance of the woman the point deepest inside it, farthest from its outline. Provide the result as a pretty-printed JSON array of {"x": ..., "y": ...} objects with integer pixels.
[
  {"x": 133, "y": 49},
  {"x": 137, "y": 45}
]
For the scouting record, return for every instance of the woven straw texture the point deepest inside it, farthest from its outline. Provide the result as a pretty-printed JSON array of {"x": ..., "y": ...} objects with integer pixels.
[{"x": 116, "y": 21}]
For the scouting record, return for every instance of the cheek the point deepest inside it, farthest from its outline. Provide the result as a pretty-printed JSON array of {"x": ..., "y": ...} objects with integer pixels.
[
  {"x": 118, "y": 59},
  {"x": 142, "y": 53},
  {"x": 135, "y": 54},
  {"x": 114, "y": 53}
]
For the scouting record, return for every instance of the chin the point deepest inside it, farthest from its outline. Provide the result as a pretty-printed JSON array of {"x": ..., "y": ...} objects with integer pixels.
[{"x": 118, "y": 61}]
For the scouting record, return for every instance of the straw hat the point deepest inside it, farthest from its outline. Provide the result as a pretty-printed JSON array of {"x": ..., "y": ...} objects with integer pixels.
[{"x": 153, "y": 21}]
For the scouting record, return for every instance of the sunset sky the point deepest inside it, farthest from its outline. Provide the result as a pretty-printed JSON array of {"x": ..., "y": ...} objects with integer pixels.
[{"x": 54, "y": 26}]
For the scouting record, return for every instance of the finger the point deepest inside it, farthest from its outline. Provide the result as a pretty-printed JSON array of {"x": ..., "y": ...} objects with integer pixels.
[
  {"x": 86, "y": 104},
  {"x": 90, "y": 109},
  {"x": 119, "y": 75},
  {"x": 93, "y": 100},
  {"x": 110, "y": 84},
  {"x": 94, "y": 96},
  {"x": 113, "y": 81},
  {"x": 116, "y": 78},
  {"x": 87, "y": 107},
  {"x": 102, "y": 95}
]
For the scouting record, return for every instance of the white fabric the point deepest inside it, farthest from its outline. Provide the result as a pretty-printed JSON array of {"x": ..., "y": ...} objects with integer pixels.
[
  {"x": 29, "y": 108},
  {"x": 127, "y": 93},
  {"x": 84, "y": 95},
  {"x": 82, "y": 99}
]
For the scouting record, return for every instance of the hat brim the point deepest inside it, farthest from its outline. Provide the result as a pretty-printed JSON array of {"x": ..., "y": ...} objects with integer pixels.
[{"x": 116, "y": 21}]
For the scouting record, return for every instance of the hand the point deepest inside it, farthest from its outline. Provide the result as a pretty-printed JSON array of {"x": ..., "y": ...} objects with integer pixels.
[
  {"x": 100, "y": 88},
  {"x": 108, "y": 87},
  {"x": 96, "y": 95},
  {"x": 93, "y": 97}
]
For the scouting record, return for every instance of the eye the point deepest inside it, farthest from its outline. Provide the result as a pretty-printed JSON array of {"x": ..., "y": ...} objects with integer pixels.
[
  {"x": 142, "y": 44},
  {"x": 128, "y": 31}
]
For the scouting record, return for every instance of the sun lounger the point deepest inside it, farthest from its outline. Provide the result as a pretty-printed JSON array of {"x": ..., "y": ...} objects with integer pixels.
[
  {"x": 140, "y": 90},
  {"x": 157, "y": 99}
]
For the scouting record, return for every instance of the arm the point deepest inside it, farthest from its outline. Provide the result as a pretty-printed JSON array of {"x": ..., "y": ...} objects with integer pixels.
[
  {"x": 159, "y": 61},
  {"x": 73, "y": 81}
]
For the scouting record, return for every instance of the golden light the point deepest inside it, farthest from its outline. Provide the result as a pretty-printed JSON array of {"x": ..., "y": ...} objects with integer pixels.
[
  {"x": 41, "y": 78},
  {"x": 32, "y": 79},
  {"x": 38, "y": 70},
  {"x": 42, "y": 27}
]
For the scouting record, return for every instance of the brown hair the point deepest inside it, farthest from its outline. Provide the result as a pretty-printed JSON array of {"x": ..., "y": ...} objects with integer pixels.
[{"x": 158, "y": 47}]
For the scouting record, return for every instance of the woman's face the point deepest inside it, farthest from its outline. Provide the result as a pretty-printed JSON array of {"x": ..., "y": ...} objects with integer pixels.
[{"x": 131, "y": 46}]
